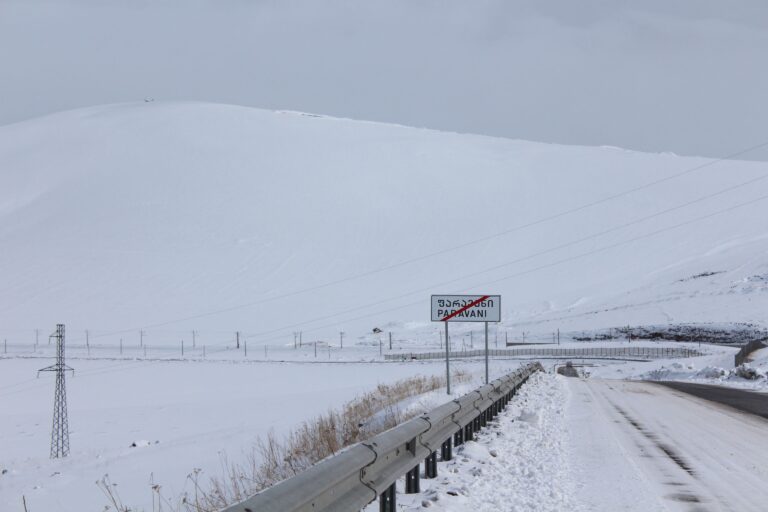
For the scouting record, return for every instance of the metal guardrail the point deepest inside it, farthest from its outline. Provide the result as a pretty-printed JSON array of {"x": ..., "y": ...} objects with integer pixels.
[
  {"x": 358, "y": 475},
  {"x": 594, "y": 352},
  {"x": 747, "y": 349}
]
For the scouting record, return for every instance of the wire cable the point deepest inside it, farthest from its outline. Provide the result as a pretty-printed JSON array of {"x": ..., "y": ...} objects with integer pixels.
[
  {"x": 494, "y": 281},
  {"x": 445, "y": 250}
]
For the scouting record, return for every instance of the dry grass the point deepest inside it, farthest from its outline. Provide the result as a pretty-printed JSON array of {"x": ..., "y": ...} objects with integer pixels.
[{"x": 273, "y": 459}]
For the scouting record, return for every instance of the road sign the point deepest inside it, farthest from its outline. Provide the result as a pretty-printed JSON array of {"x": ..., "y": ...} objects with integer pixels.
[{"x": 466, "y": 308}]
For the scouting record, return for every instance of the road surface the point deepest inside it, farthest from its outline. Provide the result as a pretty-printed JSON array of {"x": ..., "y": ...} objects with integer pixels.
[
  {"x": 746, "y": 401},
  {"x": 646, "y": 447}
]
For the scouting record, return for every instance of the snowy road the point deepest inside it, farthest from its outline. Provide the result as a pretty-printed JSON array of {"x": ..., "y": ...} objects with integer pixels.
[
  {"x": 743, "y": 400},
  {"x": 604, "y": 445},
  {"x": 643, "y": 446}
]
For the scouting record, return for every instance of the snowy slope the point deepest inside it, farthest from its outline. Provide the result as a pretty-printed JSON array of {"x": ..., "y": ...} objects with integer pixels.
[{"x": 154, "y": 215}]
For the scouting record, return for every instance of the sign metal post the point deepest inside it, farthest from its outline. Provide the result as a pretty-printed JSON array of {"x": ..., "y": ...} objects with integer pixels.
[
  {"x": 447, "y": 360},
  {"x": 486, "y": 352}
]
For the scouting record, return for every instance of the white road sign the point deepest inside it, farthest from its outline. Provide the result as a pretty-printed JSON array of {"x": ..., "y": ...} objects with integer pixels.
[{"x": 466, "y": 308}]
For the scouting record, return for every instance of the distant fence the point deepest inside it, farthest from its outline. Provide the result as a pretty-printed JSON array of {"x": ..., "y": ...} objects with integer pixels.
[
  {"x": 747, "y": 349},
  {"x": 591, "y": 352},
  {"x": 358, "y": 475}
]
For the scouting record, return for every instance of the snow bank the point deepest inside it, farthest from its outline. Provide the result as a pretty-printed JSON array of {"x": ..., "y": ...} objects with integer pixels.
[
  {"x": 519, "y": 463},
  {"x": 743, "y": 376}
]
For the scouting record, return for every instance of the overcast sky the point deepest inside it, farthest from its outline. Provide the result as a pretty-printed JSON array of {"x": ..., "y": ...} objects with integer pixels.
[{"x": 687, "y": 76}]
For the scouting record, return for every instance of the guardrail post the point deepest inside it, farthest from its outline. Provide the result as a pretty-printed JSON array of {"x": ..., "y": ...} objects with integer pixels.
[
  {"x": 412, "y": 483},
  {"x": 388, "y": 500},
  {"x": 458, "y": 437},
  {"x": 484, "y": 418},
  {"x": 446, "y": 450},
  {"x": 477, "y": 423},
  {"x": 430, "y": 466},
  {"x": 468, "y": 432}
]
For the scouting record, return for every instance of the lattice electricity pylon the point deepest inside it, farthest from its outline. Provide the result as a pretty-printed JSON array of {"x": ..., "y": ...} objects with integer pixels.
[{"x": 60, "y": 430}]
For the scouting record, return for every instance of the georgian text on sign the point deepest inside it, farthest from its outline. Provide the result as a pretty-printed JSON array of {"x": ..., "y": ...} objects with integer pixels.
[{"x": 466, "y": 308}]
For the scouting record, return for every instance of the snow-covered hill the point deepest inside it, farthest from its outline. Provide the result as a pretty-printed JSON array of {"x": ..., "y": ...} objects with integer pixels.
[
  {"x": 656, "y": 75},
  {"x": 177, "y": 216}
]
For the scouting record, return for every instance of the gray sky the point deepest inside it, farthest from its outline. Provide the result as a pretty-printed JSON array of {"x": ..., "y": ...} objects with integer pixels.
[{"x": 687, "y": 76}]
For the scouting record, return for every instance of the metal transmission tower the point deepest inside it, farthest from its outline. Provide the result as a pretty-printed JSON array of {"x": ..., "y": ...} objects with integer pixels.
[{"x": 60, "y": 431}]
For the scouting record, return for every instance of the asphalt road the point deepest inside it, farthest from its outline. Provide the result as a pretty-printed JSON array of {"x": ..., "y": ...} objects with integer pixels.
[
  {"x": 645, "y": 447},
  {"x": 747, "y": 401}
]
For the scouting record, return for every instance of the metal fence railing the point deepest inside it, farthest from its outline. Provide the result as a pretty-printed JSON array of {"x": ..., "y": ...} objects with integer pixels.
[
  {"x": 747, "y": 349},
  {"x": 585, "y": 352},
  {"x": 357, "y": 476}
]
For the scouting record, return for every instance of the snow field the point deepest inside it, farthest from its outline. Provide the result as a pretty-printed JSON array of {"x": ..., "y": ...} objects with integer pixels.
[
  {"x": 181, "y": 415},
  {"x": 520, "y": 462}
]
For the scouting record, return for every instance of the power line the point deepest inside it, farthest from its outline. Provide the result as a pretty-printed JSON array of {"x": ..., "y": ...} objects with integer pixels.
[
  {"x": 452, "y": 248},
  {"x": 494, "y": 281}
]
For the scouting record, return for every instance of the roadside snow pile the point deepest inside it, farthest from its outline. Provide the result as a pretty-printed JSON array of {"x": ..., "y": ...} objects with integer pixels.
[
  {"x": 744, "y": 375},
  {"x": 518, "y": 463}
]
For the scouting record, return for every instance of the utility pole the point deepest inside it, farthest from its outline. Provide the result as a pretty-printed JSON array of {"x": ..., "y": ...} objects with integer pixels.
[
  {"x": 60, "y": 430},
  {"x": 506, "y": 338},
  {"x": 237, "y": 338},
  {"x": 141, "y": 338},
  {"x": 390, "y": 340},
  {"x": 341, "y": 339},
  {"x": 441, "y": 338},
  {"x": 558, "y": 336},
  {"x": 471, "y": 340},
  {"x": 194, "y": 336},
  {"x": 295, "y": 339}
]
